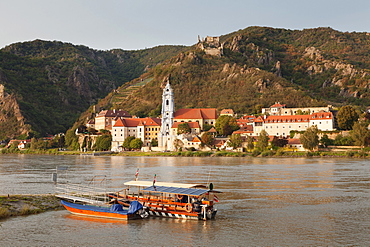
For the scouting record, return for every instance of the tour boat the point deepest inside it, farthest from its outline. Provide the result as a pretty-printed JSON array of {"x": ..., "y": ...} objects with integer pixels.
[
  {"x": 177, "y": 200},
  {"x": 115, "y": 211}
]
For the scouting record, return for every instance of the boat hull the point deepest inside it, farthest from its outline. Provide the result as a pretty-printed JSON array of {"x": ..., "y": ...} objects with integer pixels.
[{"x": 95, "y": 211}]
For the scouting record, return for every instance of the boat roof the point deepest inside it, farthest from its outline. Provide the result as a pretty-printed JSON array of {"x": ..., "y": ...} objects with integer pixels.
[
  {"x": 176, "y": 190},
  {"x": 150, "y": 183}
]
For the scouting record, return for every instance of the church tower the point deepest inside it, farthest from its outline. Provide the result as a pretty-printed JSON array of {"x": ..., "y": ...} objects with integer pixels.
[{"x": 165, "y": 139}]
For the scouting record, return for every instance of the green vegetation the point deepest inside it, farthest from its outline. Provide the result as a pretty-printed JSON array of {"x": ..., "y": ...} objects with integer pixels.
[
  {"x": 183, "y": 128},
  {"x": 346, "y": 117},
  {"x": 226, "y": 125},
  {"x": 55, "y": 82},
  {"x": 16, "y": 205},
  {"x": 310, "y": 139},
  {"x": 262, "y": 141}
]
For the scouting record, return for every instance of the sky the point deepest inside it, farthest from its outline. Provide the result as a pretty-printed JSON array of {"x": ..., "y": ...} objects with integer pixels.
[{"x": 140, "y": 24}]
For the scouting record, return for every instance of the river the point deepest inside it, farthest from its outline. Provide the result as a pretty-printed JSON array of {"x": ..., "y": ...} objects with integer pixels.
[{"x": 266, "y": 201}]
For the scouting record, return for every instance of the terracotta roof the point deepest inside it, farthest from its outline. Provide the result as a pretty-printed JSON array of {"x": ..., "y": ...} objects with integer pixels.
[
  {"x": 134, "y": 122},
  {"x": 277, "y": 105},
  {"x": 212, "y": 130},
  {"x": 218, "y": 143},
  {"x": 259, "y": 119},
  {"x": 319, "y": 115},
  {"x": 294, "y": 141},
  {"x": 196, "y": 139},
  {"x": 199, "y": 113},
  {"x": 227, "y": 111},
  {"x": 192, "y": 125},
  {"x": 249, "y": 119},
  {"x": 287, "y": 119},
  {"x": 244, "y": 129}
]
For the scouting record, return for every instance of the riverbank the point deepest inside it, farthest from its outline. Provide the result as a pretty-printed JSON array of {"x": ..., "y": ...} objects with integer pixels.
[
  {"x": 17, "y": 205},
  {"x": 361, "y": 153}
]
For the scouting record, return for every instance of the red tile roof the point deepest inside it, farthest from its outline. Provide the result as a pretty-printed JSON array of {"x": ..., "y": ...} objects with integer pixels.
[
  {"x": 196, "y": 139},
  {"x": 277, "y": 105},
  {"x": 134, "y": 122},
  {"x": 192, "y": 125},
  {"x": 294, "y": 141},
  {"x": 244, "y": 129},
  {"x": 227, "y": 111},
  {"x": 199, "y": 113},
  {"x": 287, "y": 119},
  {"x": 212, "y": 130},
  {"x": 319, "y": 115}
]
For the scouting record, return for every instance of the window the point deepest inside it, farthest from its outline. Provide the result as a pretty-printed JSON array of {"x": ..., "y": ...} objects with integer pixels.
[{"x": 167, "y": 102}]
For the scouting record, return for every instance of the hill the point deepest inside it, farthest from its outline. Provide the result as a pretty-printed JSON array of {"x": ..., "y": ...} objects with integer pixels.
[
  {"x": 256, "y": 67},
  {"x": 46, "y": 85}
]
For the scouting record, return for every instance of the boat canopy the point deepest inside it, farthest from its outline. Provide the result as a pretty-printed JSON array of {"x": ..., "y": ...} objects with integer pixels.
[
  {"x": 150, "y": 183},
  {"x": 176, "y": 190}
]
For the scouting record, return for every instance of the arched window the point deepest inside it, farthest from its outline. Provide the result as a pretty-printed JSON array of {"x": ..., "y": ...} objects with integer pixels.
[{"x": 167, "y": 103}]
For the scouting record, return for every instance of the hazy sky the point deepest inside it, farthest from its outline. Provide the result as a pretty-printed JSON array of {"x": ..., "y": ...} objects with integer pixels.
[{"x": 140, "y": 24}]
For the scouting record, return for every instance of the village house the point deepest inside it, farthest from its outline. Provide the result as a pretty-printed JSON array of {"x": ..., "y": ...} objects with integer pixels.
[
  {"x": 104, "y": 119},
  {"x": 282, "y": 125},
  {"x": 278, "y": 109},
  {"x": 146, "y": 129},
  {"x": 21, "y": 143},
  {"x": 227, "y": 112},
  {"x": 201, "y": 115}
]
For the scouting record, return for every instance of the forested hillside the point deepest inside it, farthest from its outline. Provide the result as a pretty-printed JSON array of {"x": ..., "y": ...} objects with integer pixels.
[
  {"x": 259, "y": 66},
  {"x": 52, "y": 83}
]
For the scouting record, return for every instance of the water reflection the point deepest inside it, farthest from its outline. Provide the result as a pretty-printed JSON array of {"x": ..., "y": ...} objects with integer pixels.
[{"x": 266, "y": 202}]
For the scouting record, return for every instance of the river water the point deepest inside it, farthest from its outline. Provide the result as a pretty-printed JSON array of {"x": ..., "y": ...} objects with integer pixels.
[{"x": 266, "y": 201}]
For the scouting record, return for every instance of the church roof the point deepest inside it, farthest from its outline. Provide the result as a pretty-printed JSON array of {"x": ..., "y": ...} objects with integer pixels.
[{"x": 199, "y": 113}]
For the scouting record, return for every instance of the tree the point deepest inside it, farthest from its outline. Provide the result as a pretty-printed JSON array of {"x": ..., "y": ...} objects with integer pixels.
[
  {"x": 250, "y": 142},
  {"x": 127, "y": 141},
  {"x": 309, "y": 138},
  {"x": 226, "y": 125},
  {"x": 235, "y": 141},
  {"x": 183, "y": 128},
  {"x": 136, "y": 143},
  {"x": 326, "y": 141},
  {"x": 341, "y": 140},
  {"x": 71, "y": 138},
  {"x": 263, "y": 140},
  {"x": 103, "y": 143},
  {"x": 279, "y": 142},
  {"x": 207, "y": 139},
  {"x": 346, "y": 117},
  {"x": 154, "y": 143},
  {"x": 360, "y": 134}
]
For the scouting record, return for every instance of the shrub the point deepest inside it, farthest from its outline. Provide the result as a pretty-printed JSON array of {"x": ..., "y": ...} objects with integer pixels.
[
  {"x": 267, "y": 153},
  {"x": 350, "y": 153},
  {"x": 4, "y": 213},
  {"x": 255, "y": 153}
]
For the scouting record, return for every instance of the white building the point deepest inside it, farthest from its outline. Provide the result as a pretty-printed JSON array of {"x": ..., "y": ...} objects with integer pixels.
[
  {"x": 165, "y": 137},
  {"x": 282, "y": 125}
]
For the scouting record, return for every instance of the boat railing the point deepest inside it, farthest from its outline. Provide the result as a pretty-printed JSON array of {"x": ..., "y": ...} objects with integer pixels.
[{"x": 82, "y": 193}]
